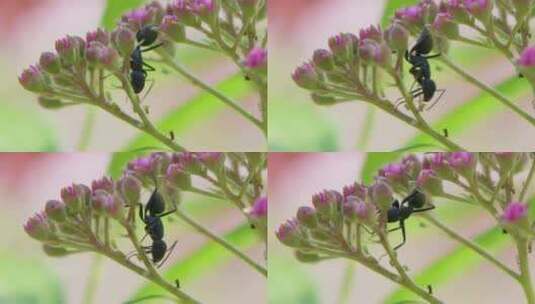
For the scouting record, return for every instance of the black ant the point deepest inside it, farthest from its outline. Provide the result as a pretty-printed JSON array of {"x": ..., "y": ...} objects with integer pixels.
[
  {"x": 152, "y": 217},
  {"x": 413, "y": 203},
  {"x": 146, "y": 36},
  {"x": 421, "y": 70}
]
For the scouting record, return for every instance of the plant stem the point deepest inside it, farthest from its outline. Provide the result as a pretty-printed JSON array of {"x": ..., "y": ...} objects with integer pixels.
[
  {"x": 93, "y": 279},
  {"x": 366, "y": 129},
  {"x": 168, "y": 60},
  {"x": 205, "y": 193},
  {"x": 470, "y": 244},
  {"x": 527, "y": 182},
  {"x": 87, "y": 129},
  {"x": 220, "y": 241},
  {"x": 525, "y": 274},
  {"x": 347, "y": 281},
  {"x": 488, "y": 89}
]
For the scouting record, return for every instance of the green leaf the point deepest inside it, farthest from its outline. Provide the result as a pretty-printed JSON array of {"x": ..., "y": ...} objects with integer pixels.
[
  {"x": 195, "y": 111},
  {"x": 474, "y": 111},
  {"x": 294, "y": 127},
  {"x": 290, "y": 283},
  {"x": 203, "y": 260},
  {"x": 114, "y": 10},
  {"x": 18, "y": 127},
  {"x": 28, "y": 281}
]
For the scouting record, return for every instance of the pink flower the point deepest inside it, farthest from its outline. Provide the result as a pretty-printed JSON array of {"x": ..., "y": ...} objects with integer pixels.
[
  {"x": 514, "y": 212},
  {"x": 33, "y": 79},
  {"x": 257, "y": 58},
  {"x": 260, "y": 208},
  {"x": 411, "y": 14},
  {"x": 527, "y": 57},
  {"x": 478, "y": 8},
  {"x": 372, "y": 32},
  {"x": 37, "y": 226}
]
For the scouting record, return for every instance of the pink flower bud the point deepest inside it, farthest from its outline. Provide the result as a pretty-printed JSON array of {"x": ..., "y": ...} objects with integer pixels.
[
  {"x": 412, "y": 15},
  {"x": 99, "y": 35},
  {"x": 178, "y": 177},
  {"x": 395, "y": 174},
  {"x": 50, "y": 62},
  {"x": 382, "y": 195},
  {"x": 372, "y": 32},
  {"x": 108, "y": 58},
  {"x": 143, "y": 165},
  {"x": 367, "y": 49},
  {"x": 397, "y": 37},
  {"x": 358, "y": 190},
  {"x": 438, "y": 162},
  {"x": 341, "y": 46},
  {"x": 481, "y": 9},
  {"x": 514, "y": 212},
  {"x": 33, "y": 79},
  {"x": 412, "y": 165},
  {"x": 257, "y": 58},
  {"x": 327, "y": 201},
  {"x": 190, "y": 163},
  {"x": 55, "y": 210},
  {"x": 527, "y": 58},
  {"x": 323, "y": 59},
  {"x": 289, "y": 234},
  {"x": 124, "y": 40},
  {"x": 139, "y": 17},
  {"x": 463, "y": 163},
  {"x": 458, "y": 10},
  {"x": 67, "y": 48},
  {"x": 382, "y": 55},
  {"x": 306, "y": 76},
  {"x": 105, "y": 183},
  {"x": 184, "y": 13},
  {"x": 212, "y": 160},
  {"x": 130, "y": 189},
  {"x": 445, "y": 25},
  {"x": 260, "y": 208},
  {"x": 38, "y": 227},
  {"x": 204, "y": 8},
  {"x": 429, "y": 182},
  {"x": 172, "y": 28},
  {"x": 307, "y": 216}
]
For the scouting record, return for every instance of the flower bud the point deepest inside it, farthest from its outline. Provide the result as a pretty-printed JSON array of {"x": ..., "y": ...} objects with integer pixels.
[
  {"x": 395, "y": 175},
  {"x": 67, "y": 50},
  {"x": 459, "y": 12},
  {"x": 73, "y": 198},
  {"x": 429, "y": 9},
  {"x": 481, "y": 9},
  {"x": 327, "y": 201},
  {"x": 55, "y": 210},
  {"x": 382, "y": 55},
  {"x": 139, "y": 17},
  {"x": 397, "y": 37},
  {"x": 307, "y": 257},
  {"x": 212, "y": 160},
  {"x": 506, "y": 161},
  {"x": 358, "y": 190},
  {"x": 114, "y": 207},
  {"x": 289, "y": 234},
  {"x": 412, "y": 166},
  {"x": 183, "y": 11},
  {"x": 248, "y": 7},
  {"x": 463, "y": 163},
  {"x": 323, "y": 59},
  {"x": 108, "y": 58},
  {"x": 50, "y": 62},
  {"x": 367, "y": 49},
  {"x": 130, "y": 189},
  {"x": 341, "y": 47},
  {"x": 514, "y": 212},
  {"x": 382, "y": 195},
  {"x": 412, "y": 15},
  {"x": 124, "y": 40},
  {"x": 50, "y": 103},
  {"x": 172, "y": 28},
  {"x": 438, "y": 162},
  {"x": 190, "y": 163},
  {"x": 445, "y": 25},
  {"x": 206, "y": 9},
  {"x": 143, "y": 166},
  {"x": 178, "y": 177},
  {"x": 429, "y": 182},
  {"x": 38, "y": 227},
  {"x": 372, "y": 32},
  {"x": 522, "y": 8},
  {"x": 259, "y": 210},
  {"x": 34, "y": 80},
  {"x": 257, "y": 58},
  {"x": 306, "y": 77},
  {"x": 323, "y": 100},
  {"x": 526, "y": 63},
  {"x": 55, "y": 251},
  {"x": 307, "y": 216},
  {"x": 105, "y": 183},
  {"x": 99, "y": 35}
]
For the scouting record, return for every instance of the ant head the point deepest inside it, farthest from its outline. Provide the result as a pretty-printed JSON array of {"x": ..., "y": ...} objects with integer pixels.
[
  {"x": 417, "y": 199},
  {"x": 147, "y": 35},
  {"x": 424, "y": 43}
]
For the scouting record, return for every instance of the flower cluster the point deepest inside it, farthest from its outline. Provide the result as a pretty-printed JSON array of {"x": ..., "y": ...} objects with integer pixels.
[
  {"x": 340, "y": 221},
  {"x": 84, "y": 70}
]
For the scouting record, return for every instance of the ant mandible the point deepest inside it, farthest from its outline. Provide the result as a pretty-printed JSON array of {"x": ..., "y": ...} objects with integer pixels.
[
  {"x": 146, "y": 36},
  {"x": 413, "y": 203},
  {"x": 421, "y": 70}
]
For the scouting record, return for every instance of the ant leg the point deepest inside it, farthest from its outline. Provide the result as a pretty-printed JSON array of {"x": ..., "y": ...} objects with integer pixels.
[
  {"x": 415, "y": 93},
  {"x": 143, "y": 238},
  {"x": 168, "y": 254},
  {"x": 149, "y": 67},
  {"x": 402, "y": 226},
  {"x": 148, "y": 90},
  {"x": 167, "y": 213},
  {"x": 424, "y": 209},
  {"x": 394, "y": 229},
  {"x": 152, "y": 47},
  {"x": 442, "y": 91},
  {"x": 432, "y": 56}
]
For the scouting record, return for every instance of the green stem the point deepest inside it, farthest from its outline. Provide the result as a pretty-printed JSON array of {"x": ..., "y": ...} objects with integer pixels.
[
  {"x": 470, "y": 244},
  {"x": 504, "y": 100},
  {"x": 205, "y": 193},
  {"x": 193, "y": 223},
  {"x": 93, "y": 279},
  {"x": 347, "y": 281},
  {"x": 525, "y": 274},
  {"x": 366, "y": 129},
  {"x": 87, "y": 129},
  {"x": 527, "y": 182},
  {"x": 168, "y": 60}
]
